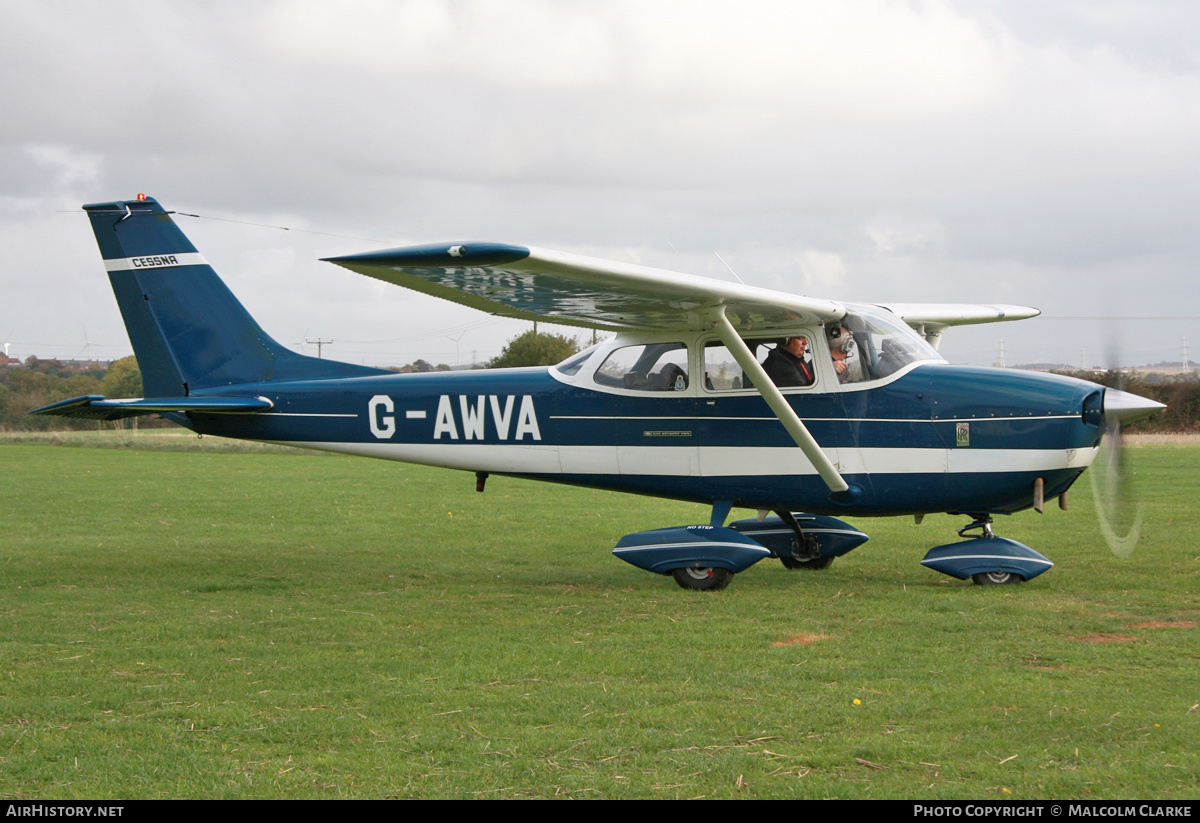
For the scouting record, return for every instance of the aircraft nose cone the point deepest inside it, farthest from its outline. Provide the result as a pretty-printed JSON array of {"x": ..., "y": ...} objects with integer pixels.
[{"x": 1129, "y": 407}]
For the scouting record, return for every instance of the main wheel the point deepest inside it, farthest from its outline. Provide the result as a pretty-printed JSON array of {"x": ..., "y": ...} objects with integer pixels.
[
  {"x": 707, "y": 579},
  {"x": 812, "y": 564},
  {"x": 997, "y": 579}
]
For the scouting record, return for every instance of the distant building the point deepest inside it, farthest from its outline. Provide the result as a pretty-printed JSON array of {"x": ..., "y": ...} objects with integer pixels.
[{"x": 85, "y": 365}]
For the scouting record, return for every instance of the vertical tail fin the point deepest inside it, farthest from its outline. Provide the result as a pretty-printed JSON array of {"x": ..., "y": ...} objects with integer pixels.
[{"x": 188, "y": 330}]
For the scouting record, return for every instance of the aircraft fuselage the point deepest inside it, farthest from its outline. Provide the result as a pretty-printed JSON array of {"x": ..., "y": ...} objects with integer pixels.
[{"x": 932, "y": 438}]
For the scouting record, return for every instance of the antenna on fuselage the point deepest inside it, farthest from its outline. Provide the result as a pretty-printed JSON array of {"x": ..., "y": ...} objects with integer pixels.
[{"x": 731, "y": 271}]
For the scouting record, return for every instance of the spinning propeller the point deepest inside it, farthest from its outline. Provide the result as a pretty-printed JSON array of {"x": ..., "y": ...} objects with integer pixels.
[{"x": 1111, "y": 478}]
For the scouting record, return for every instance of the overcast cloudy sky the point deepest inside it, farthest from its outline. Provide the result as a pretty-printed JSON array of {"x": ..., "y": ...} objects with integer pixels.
[{"x": 1036, "y": 153}]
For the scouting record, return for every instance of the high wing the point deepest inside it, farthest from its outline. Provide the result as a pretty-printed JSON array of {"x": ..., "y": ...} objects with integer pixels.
[
  {"x": 931, "y": 319},
  {"x": 570, "y": 289}
]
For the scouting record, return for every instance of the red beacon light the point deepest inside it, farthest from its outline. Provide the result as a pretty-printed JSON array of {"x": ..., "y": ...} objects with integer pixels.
[{"x": 141, "y": 196}]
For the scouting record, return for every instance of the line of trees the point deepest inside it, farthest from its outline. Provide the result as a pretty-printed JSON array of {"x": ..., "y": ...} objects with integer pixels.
[
  {"x": 419, "y": 367},
  {"x": 41, "y": 382}
]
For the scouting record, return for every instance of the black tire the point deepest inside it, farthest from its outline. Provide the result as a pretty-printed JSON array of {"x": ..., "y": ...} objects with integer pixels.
[
  {"x": 707, "y": 579},
  {"x": 814, "y": 564},
  {"x": 997, "y": 579}
]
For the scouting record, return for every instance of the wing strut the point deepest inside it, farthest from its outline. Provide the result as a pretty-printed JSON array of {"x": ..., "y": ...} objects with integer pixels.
[{"x": 770, "y": 392}]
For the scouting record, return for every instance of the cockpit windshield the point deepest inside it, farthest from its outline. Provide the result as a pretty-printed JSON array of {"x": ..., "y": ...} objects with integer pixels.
[{"x": 881, "y": 344}]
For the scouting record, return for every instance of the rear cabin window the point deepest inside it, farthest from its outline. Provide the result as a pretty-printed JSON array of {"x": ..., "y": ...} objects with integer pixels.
[
  {"x": 574, "y": 363},
  {"x": 661, "y": 367}
]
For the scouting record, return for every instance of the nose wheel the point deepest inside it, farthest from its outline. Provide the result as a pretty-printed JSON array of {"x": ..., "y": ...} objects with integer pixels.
[
  {"x": 997, "y": 579},
  {"x": 984, "y": 558},
  {"x": 707, "y": 579}
]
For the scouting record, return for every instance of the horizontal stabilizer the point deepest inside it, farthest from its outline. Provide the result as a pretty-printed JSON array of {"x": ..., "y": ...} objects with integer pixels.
[{"x": 95, "y": 407}]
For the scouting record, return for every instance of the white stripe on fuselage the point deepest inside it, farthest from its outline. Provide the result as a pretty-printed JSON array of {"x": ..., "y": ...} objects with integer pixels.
[
  {"x": 807, "y": 419},
  {"x": 706, "y": 461},
  {"x": 300, "y": 414}
]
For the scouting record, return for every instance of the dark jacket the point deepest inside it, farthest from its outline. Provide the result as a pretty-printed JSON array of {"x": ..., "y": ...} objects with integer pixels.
[{"x": 786, "y": 369}]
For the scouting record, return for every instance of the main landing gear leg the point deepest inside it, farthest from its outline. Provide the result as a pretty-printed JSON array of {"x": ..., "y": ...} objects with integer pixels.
[{"x": 806, "y": 551}]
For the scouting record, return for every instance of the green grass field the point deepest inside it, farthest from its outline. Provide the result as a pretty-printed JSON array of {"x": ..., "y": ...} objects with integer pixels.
[{"x": 257, "y": 624}]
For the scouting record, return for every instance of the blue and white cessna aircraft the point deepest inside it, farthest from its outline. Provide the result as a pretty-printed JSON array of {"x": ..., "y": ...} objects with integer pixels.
[{"x": 686, "y": 401}]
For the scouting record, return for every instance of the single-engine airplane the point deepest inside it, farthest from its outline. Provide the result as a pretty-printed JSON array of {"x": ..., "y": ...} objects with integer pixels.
[{"x": 713, "y": 392}]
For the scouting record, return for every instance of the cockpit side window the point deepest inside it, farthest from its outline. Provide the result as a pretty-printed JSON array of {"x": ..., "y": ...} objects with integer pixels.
[
  {"x": 790, "y": 367},
  {"x": 658, "y": 367}
]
